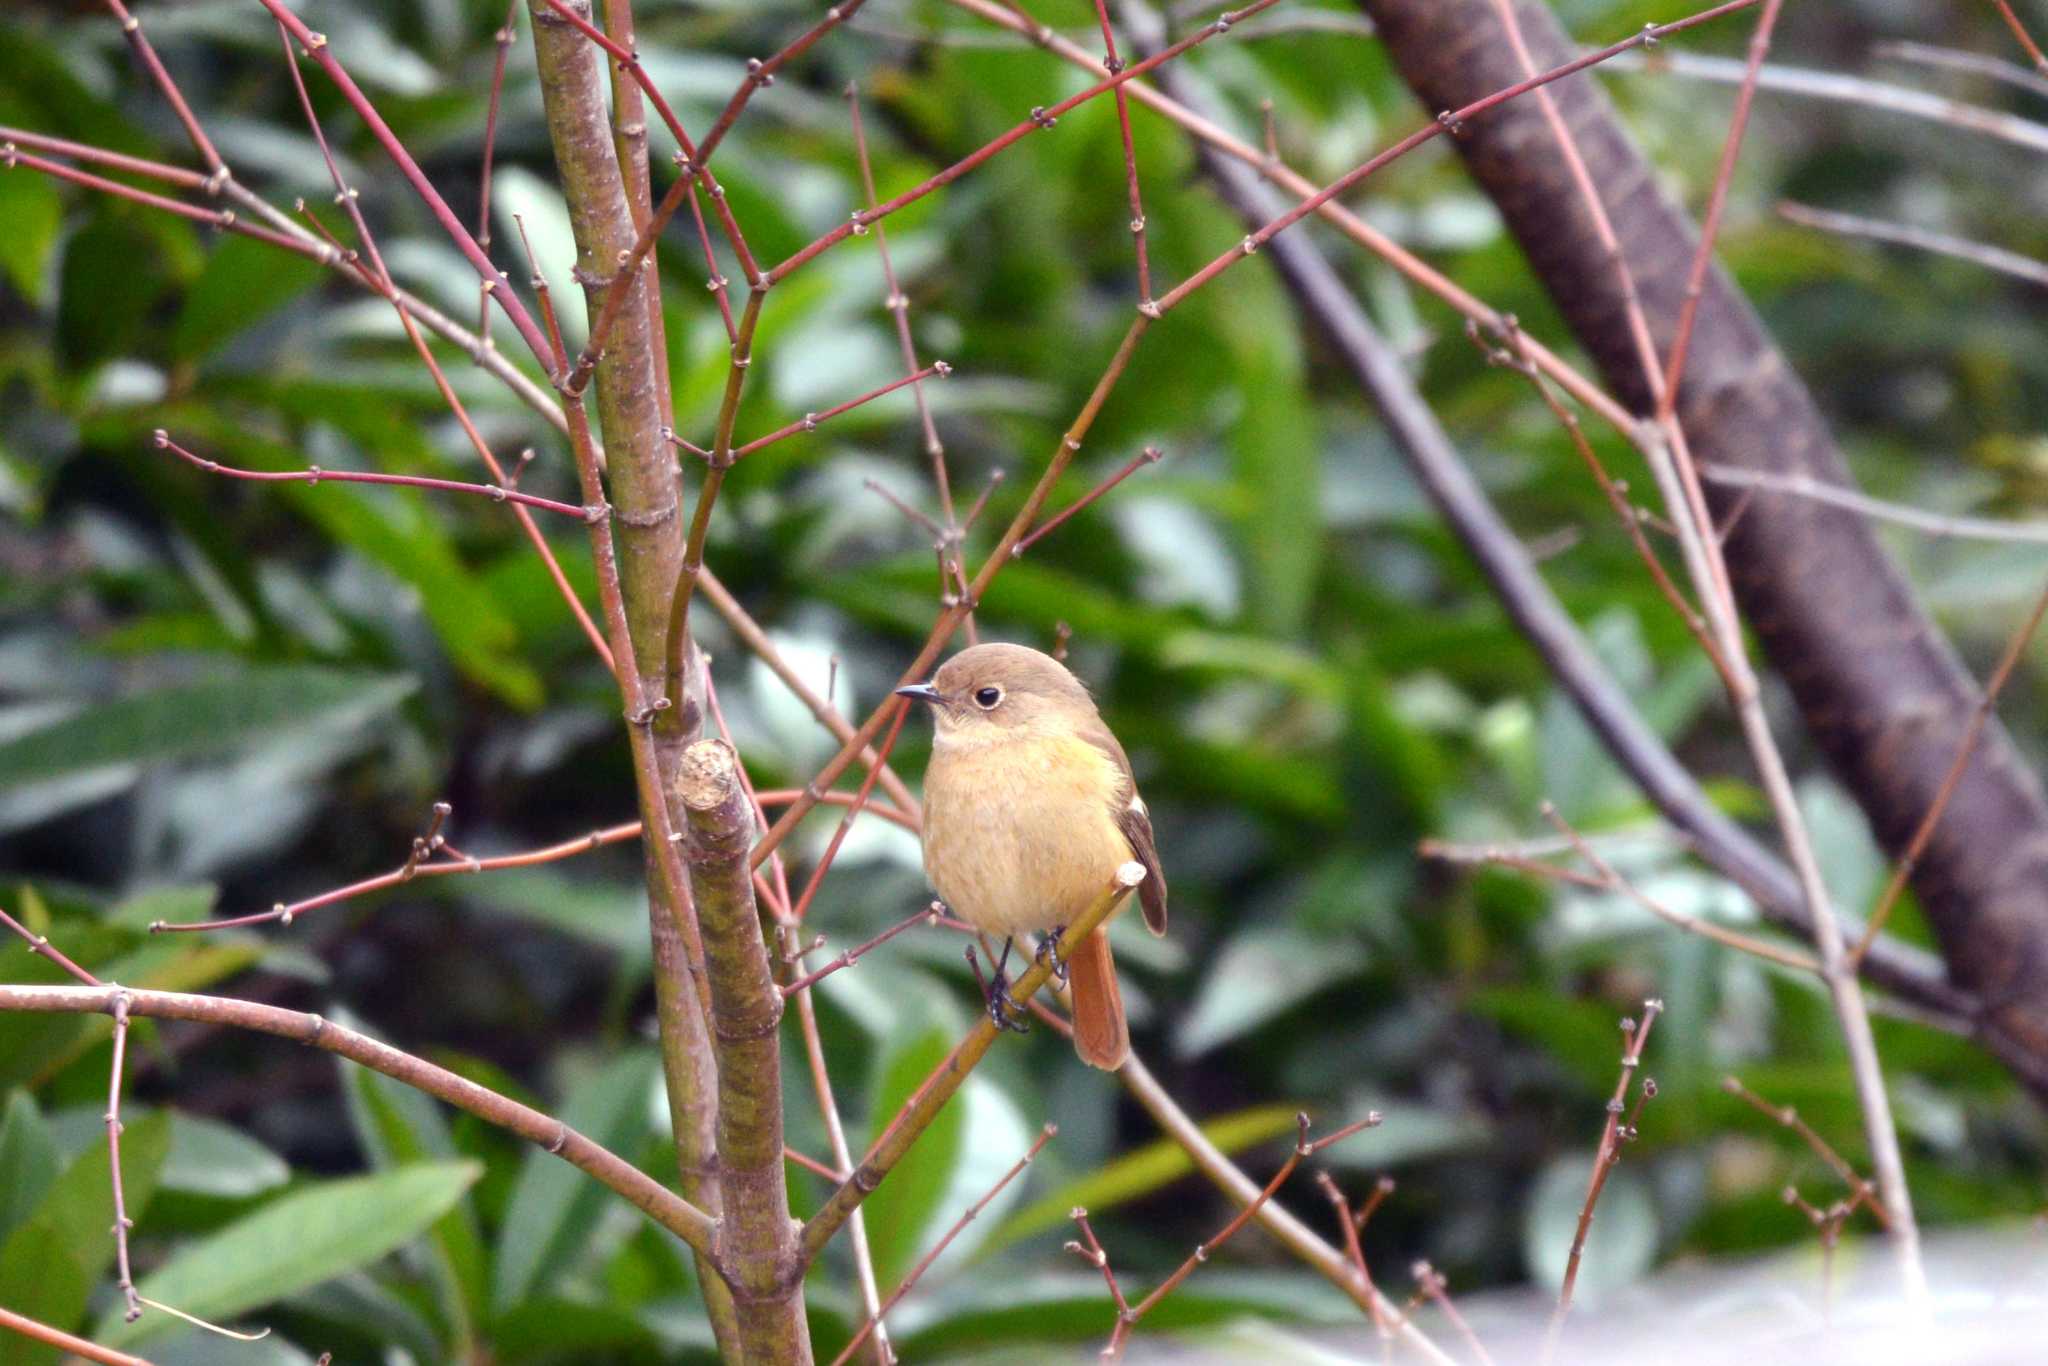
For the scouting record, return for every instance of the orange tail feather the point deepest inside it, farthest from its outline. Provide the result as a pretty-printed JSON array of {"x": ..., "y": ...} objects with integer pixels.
[{"x": 1100, "y": 1035}]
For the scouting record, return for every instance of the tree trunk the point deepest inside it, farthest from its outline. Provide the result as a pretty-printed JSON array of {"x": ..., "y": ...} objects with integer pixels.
[{"x": 1879, "y": 687}]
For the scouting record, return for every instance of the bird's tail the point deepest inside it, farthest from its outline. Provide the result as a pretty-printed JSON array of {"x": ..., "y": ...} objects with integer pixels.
[{"x": 1100, "y": 1035}]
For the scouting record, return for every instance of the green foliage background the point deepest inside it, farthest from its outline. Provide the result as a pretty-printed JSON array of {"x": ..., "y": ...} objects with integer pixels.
[{"x": 216, "y": 696}]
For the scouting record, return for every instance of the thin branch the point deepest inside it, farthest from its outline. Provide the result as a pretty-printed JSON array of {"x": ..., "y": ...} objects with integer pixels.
[
  {"x": 1613, "y": 1134},
  {"x": 860, "y": 801},
  {"x": 761, "y": 74},
  {"x": 1113, "y": 64},
  {"x": 898, "y": 304},
  {"x": 131, "y": 28},
  {"x": 1431, "y": 1286},
  {"x": 1957, "y": 59},
  {"x": 1296, "y": 1236},
  {"x": 1354, "y": 1247},
  {"x": 418, "y": 864},
  {"x": 1129, "y": 1315},
  {"x": 1842, "y": 88},
  {"x": 1613, "y": 881},
  {"x": 506, "y": 35},
  {"x": 12, "y": 156},
  {"x": 1788, "y": 1116},
  {"x": 967, "y": 1216},
  {"x": 40, "y": 945},
  {"x": 125, "y": 1278},
  {"x": 314, "y": 474},
  {"x": 316, "y": 46},
  {"x": 2012, "y": 263},
  {"x": 1980, "y": 717},
  {"x": 2022, "y": 37},
  {"x": 83, "y": 1348},
  {"x": 1447, "y": 122},
  {"x": 810, "y": 422},
  {"x": 1148, "y": 456},
  {"x": 1902, "y": 514},
  {"x": 665, "y": 1207},
  {"x": 1717, "y": 203},
  {"x": 917, "y": 1113},
  {"x": 1041, "y": 118}
]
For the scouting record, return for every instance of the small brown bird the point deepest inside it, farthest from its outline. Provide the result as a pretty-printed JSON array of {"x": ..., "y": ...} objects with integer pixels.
[{"x": 1030, "y": 808}]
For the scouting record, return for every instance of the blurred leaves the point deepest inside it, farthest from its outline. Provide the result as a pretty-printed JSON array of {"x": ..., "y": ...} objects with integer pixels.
[
  {"x": 308, "y": 1236},
  {"x": 214, "y": 693},
  {"x": 52, "y": 1261},
  {"x": 555, "y": 1207}
]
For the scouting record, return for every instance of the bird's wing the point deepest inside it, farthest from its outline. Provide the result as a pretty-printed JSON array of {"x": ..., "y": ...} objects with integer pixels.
[{"x": 1135, "y": 822}]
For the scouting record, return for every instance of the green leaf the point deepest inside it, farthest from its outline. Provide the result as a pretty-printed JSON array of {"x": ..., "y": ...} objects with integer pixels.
[
  {"x": 400, "y": 1125},
  {"x": 28, "y": 1160},
  {"x": 1138, "y": 1174},
  {"x": 30, "y": 213},
  {"x": 909, "y": 1200},
  {"x": 244, "y": 282},
  {"x": 1276, "y": 454},
  {"x": 102, "y": 305},
  {"x": 555, "y": 1207},
  {"x": 406, "y": 532},
  {"x": 50, "y": 1264},
  {"x": 1260, "y": 974},
  {"x": 225, "y": 713},
  {"x": 206, "y": 1157},
  {"x": 296, "y": 1241}
]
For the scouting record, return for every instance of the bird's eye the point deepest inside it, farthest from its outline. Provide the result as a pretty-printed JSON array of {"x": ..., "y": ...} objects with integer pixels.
[{"x": 986, "y": 698}]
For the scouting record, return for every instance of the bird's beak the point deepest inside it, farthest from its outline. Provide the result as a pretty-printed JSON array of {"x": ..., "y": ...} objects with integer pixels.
[{"x": 922, "y": 692}]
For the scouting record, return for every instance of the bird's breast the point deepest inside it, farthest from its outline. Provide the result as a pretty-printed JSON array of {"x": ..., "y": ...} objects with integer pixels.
[{"x": 1020, "y": 834}]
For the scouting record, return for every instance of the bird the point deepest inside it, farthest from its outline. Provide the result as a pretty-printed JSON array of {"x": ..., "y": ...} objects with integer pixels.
[{"x": 1030, "y": 808}]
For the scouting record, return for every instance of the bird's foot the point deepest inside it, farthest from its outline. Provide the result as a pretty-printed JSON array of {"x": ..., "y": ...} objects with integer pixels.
[
  {"x": 1048, "y": 953},
  {"x": 1003, "y": 1008}
]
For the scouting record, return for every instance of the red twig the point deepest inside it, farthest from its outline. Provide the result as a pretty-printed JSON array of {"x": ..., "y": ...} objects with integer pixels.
[
  {"x": 761, "y": 75},
  {"x": 418, "y": 863},
  {"x": 1615, "y": 1133},
  {"x": 100, "y": 156},
  {"x": 1980, "y": 717},
  {"x": 1860, "y": 1189},
  {"x": 927, "y": 916},
  {"x": 82, "y": 1348},
  {"x": 315, "y": 474},
  {"x": 1040, "y": 118},
  {"x": 2024, "y": 38},
  {"x": 315, "y": 44},
  {"x": 1354, "y": 1246},
  {"x": 1149, "y": 456},
  {"x": 810, "y": 422},
  {"x": 860, "y": 800},
  {"x": 40, "y": 944},
  {"x": 1717, "y": 201},
  {"x": 11, "y": 155},
  {"x": 1447, "y": 122},
  {"x": 1128, "y": 1315},
  {"x": 131, "y": 28},
  {"x": 1430, "y": 1285},
  {"x": 507, "y": 34},
  {"x": 1045, "y": 1135},
  {"x": 1113, "y": 64},
  {"x": 898, "y": 304}
]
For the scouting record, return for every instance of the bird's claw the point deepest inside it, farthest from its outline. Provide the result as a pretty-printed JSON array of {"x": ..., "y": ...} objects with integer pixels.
[
  {"x": 1004, "y": 1010},
  {"x": 1048, "y": 953},
  {"x": 995, "y": 990}
]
